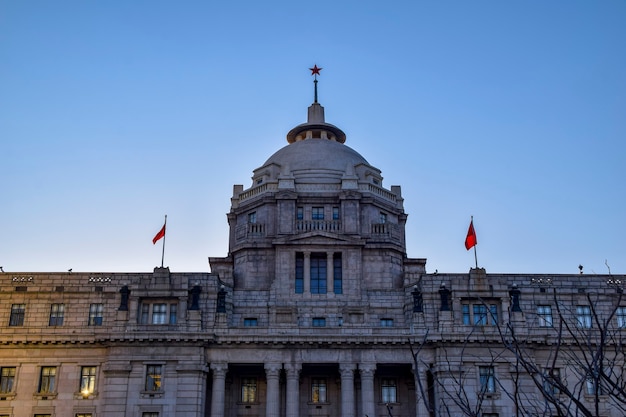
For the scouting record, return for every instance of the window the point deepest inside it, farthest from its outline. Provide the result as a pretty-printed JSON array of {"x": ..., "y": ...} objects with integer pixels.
[
  {"x": 149, "y": 414},
  {"x": 318, "y": 273},
  {"x": 17, "y": 315},
  {"x": 250, "y": 322},
  {"x": 300, "y": 213},
  {"x": 47, "y": 379},
  {"x": 621, "y": 317},
  {"x": 480, "y": 314},
  {"x": 388, "y": 390},
  {"x": 43, "y": 415},
  {"x": 158, "y": 313},
  {"x": 337, "y": 274},
  {"x": 57, "y": 311},
  {"x": 336, "y": 215},
  {"x": 153, "y": 377},
  {"x": 87, "y": 380},
  {"x": 583, "y": 316},
  {"x": 487, "y": 379},
  {"x": 317, "y": 213},
  {"x": 382, "y": 218},
  {"x": 545, "y": 316},
  {"x": 252, "y": 217},
  {"x": 319, "y": 322},
  {"x": 386, "y": 322},
  {"x": 592, "y": 386},
  {"x": 7, "y": 379},
  {"x": 318, "y": 390},
  {"x": 299, "y": 273},
  {"x": 95, "y": 314},
  {"x": 552, "y": 381},
  {"x": 248, "y": 390},
  {"x": 83, "y": 415}
]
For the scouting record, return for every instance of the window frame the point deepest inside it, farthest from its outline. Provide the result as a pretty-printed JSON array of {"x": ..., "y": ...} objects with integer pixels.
[
  {"x": 386, "y": 322},
  {"x": 318, "y": 322},
  {"x": 162, "y": 316},
  {"x": 18, "y": 314},
  {"x": 318, "y": 265},
  {"x": 249, "y": 390},
  {"x": 96, "y": 313},
  {"x": 8, "y": 375},
  {"x": 388, "y": 390},
  {"x": 584, "y": 318},
  {"x": 88, "y": 379},
  {"x": 47, "y": 380},
  {"x": 57, "y": 314},
  {"x": 319, "y": 390},
  {"x": 487, "y": 379},
  {"x": 621, "y": 317},
  {"x": 250, "y": 322},
  {"x": 317, "y": 213},
  {"x": 544, "y": 314},
  {"x": 154, "y": 380},
  {"x": 481, "y": 314}
]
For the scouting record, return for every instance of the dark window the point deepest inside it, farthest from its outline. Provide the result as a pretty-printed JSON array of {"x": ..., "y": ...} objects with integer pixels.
[
  {"x": 317, "y": 213},
  {"x": 318, "y": 273},
  {"x": 153, "y": 377},
  {"x": 336, "y": 215},
  {"x": 299, "y": 272},
  {"x": 57, "y": 311},
  {"x": 252, "y": 217},
  {"x": 487, "y": 379},
  {"x": 386, "y": 322},
  {"x": 17, "y": 315},
  {"x": 337, "y": 274},
  {"x": 388, "y": 390},
  {"x": 319, "y": 322},
  {"x": 300, "y": 213},
  {"x": 250, "y": 322}
]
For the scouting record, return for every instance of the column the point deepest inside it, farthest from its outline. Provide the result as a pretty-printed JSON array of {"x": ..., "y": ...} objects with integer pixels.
[
  {"x": 367, "y": 388},
  {"x": 330, "y": 273},
  {"x": 421, "y": 391},
  {"x": 293, "y": 389},
  {"x": 272, "y": 373},
  {"x": 347, "y": 389},
  {"x": 307, "y": 273},
  {"x": 219, "y": 387}
]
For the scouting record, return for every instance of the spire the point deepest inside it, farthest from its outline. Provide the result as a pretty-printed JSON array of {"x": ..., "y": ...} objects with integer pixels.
[{"x": 315, "y": 71}]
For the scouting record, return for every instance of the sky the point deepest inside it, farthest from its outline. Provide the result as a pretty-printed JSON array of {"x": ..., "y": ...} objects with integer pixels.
[{"x": 116, "y": 113}]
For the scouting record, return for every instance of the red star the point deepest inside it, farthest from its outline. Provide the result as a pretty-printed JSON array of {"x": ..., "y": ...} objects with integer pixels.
[{"x": 315, "y": 70}]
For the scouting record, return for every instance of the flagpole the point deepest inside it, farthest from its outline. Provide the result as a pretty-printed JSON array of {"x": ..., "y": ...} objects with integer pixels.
[
  {"x": 163, "y": 252},
  {"x": 475, "y": 257}
]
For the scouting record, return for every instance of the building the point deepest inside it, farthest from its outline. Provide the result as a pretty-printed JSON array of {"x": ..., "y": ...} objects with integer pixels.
[{"x": 316, "y": 311}]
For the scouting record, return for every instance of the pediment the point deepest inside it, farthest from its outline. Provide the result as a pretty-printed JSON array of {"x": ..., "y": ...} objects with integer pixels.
[{"x": 319, "y": 238}]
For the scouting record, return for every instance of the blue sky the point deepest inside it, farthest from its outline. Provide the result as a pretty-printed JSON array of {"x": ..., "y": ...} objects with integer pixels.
[{"x": 113, "y": 114}]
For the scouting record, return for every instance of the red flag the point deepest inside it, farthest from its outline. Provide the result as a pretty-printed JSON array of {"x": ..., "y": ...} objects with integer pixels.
[
  {"x": 470, "y": 240},
  {"x": 158, "y": 235}
]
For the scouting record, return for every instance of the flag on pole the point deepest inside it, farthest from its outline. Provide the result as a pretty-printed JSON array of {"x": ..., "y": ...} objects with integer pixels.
[
  {"x": 159, "y": 235},
  {"x": 470, "y": 240}
]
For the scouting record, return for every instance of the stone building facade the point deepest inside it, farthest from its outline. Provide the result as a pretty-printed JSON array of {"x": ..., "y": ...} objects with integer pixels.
[{"x": 316, "y": 311}]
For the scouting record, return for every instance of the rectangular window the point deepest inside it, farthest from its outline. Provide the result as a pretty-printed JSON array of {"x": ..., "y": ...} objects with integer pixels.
[
  {"x": 87, "y": 380},
  {"x": 153, "y": 377},
  {"x": 382, "y": 218},
  {"x": 583, "y": 316},
  {"x": 299, "y": 273},
  {"x": 250, "y": 322},
  {"x": 318, "y": 273},
  {"x": 466, "y": 315},
  {"x": 319, "y": 322},
  {"x": 83, "y": 415},
  {"x": 158, "y": 313},
  {"x": 552, "y": 381},
  {"x": 252, "y": 217},
  {"x": 487, "y": 379},
  {"x": 300, "y": 213},
  {"x": 545, "y": 316},
  {"x": 248, "y": 390},
  {"x": 388, "y": 391},
  {"x": 318, "y": 390},
  {"x": 57, "y": 311},
  {"x": 621, "y": 317},
  {"x": 592, "y": 386},
  {"x": 386, "y": 322},
  {"x": 43, "y": 415},
  {"x": 149, "y": 414},
  {"x": 337, "y": 274},
  {"x": 17, "y": 315},
  {"x": 317, "y": 213},
  {"x": 47, "y": 379},
  {"x": 480, "y": 314},
  {"x": 7, "y": 379},
  {"x": 95, "y": 314},
  {"x": 336, "y": 215}
]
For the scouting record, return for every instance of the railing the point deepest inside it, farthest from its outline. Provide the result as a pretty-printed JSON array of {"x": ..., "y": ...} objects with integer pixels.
[
  {"x": 386, "y": 231},
  {"x": 252, "y": 192},
  {"x": 247, "y": 230},
  {"x": 312, "y": 225},
  {"x": 378, "y": 191}
]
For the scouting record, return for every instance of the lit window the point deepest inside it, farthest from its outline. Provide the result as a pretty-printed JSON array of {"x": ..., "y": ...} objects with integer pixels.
[
  {"x": 252, "y": 217},
  {"x": 319, "y": 322},
  {"x": 153, "y": 377},
  {"x": 336, "y": 215},
  {"x": 318, "y": 390},
  {"x": 250, "y": 322},
  {"x": 317, "y": 213},
  {"x": 386, "y": 322},
  {"x": 87, "y": 380},
  {"x": 95, "y": 314},
  {"x": 621, "y": 317},
  {"x": 545, "y": 316},
  {"x": 17, "y": 315},
  {"x": 7, "y": 379},
  {"x": 83, "y": 415},
  {"x": 47, "y": 379},
  {"x": 248, "y": 390},
  {"x": 158, "y": 313},
  {"x": 480, "y": 314},
  {"x": 487, "y": 379},
  {"x": 318, "y": 273},
  {"x": 57, "y": 311},
  {"x": 388, "y": 391},
  {"x": 299, "y": 279},
  {"x": 583, "y": 316}
]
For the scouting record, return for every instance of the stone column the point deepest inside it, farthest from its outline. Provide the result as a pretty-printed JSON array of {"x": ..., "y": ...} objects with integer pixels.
[
  {"x": 307, "y": 273},
  {"x": 367, "y": 388},
  {"x": 272, "y": 374},
  {"x": 330, "y": 273},
  {"x": 219, "y": 387},
  {"x": 347, "y": 389},
  {"x": 421, "y": 390},
  {"x": 293, "y": 389}
]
